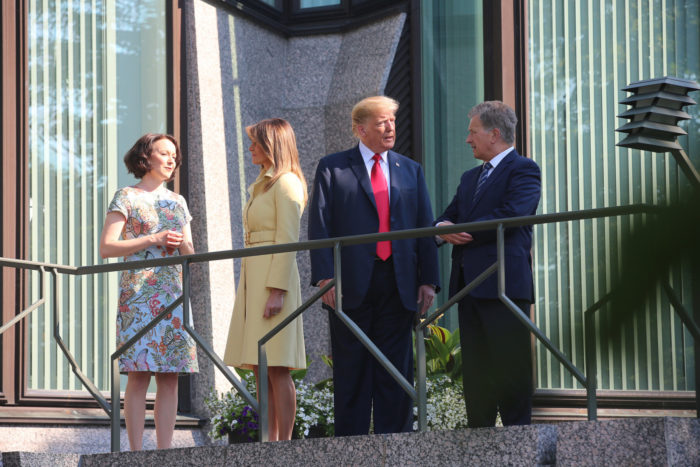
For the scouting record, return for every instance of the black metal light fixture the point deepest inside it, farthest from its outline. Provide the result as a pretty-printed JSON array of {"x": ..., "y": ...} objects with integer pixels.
[{"x": 657, "y": 107}]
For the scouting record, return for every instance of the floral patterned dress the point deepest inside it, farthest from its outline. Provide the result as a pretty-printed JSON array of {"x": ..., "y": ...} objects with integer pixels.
[{"x": 143, "y": 293}]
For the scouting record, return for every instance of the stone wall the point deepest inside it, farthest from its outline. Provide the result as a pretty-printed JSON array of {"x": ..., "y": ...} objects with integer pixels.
[{"x": 239, "y": 72}]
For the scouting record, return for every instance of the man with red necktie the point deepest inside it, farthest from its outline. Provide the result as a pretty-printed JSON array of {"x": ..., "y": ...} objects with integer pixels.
[{"x": 368, "y": 189}]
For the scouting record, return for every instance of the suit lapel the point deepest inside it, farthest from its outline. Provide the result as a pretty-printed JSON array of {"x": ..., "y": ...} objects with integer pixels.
[
  {"x": 495, "y": 175},
  {"x": 395, "y": 174},
  {"x": 360, "y": 171}
]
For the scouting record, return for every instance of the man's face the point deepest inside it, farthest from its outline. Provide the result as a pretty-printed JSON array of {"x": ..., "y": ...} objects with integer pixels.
[
  {"x": 378, "y": 132},
  {"x": 481, "y": 140}
]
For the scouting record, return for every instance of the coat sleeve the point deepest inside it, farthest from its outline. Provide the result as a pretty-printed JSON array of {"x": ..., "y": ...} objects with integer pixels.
[
  {"x": 428, "y": 270},
  {"x": 289, "y": 202},
  {"x": 520, "y": 199},
  {"x": 320, "y": 222}
]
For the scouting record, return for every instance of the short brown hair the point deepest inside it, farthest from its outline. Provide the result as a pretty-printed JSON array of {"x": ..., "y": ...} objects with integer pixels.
[
  {"x": 137, "y": 158},
  {"x": 368, "y": 107}
]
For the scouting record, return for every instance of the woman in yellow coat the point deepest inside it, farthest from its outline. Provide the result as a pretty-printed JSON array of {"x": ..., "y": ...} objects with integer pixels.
[{"x": 269, "y": 288}]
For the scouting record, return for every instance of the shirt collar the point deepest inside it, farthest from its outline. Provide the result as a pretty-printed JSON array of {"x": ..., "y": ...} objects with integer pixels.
[
  {"x": 499, "y": 157},
  {"x": 367, "y": 154}
]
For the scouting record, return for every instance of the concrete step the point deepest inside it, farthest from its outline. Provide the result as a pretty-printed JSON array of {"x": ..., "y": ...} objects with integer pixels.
[{"x": 641, "y": 441}]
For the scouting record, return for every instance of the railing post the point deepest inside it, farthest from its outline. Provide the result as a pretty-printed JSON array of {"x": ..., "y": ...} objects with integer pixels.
[
  {"x": 263, "y": 394},
  {"x": 591, "y": 366},
  {"x": 421, "y": 375},
  {"x": 115, "y": 416},
  {"x": 338, "y": 276}
]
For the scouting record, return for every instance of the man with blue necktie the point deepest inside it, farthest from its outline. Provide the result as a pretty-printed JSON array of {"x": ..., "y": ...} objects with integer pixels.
[
  {"x": 369, "y": 189},
  {"x": 496, "y": 349}
]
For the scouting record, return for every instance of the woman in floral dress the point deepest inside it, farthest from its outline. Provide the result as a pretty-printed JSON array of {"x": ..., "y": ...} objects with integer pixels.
[{"x": 147, "y": 221}]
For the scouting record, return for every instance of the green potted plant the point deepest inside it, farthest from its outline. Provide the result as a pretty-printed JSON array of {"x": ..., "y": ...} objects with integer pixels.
[{"x": 232, "y": 418}]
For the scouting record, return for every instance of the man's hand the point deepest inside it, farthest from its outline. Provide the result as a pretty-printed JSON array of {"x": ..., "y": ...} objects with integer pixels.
[
  {"x": 328, "y": 297},
  {"x": 426, "y": 295},
  {"x": 459, "y": 238}
]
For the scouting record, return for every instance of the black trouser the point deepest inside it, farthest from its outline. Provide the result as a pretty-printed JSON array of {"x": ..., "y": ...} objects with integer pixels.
[
  {"x": 496, "y": 362},
  {"x": 360, "y": 382}
]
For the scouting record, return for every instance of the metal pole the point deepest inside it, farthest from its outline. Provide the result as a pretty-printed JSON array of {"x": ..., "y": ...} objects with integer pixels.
[
  {"x": 115, "y": 416},
  {"x": 359, "y": 334},
  {"x": 263, "y": 394},
  {"x": 690, "y": 324},
  {"x": 32, "y": 307},
  {"x": 235, "y": 382},
  {"x": 421, "y": 375},
  {"x": 523, "y": 317},
  {"x": 591, "y": 366},
  {"x": 687, "y": 166},
  {"x": 337, "y": 272}
]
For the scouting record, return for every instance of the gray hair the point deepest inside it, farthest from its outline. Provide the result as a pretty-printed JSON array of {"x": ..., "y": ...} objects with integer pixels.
[{"x": 496, "y": 114}]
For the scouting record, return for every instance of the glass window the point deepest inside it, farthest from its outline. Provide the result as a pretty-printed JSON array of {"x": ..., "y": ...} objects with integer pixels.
[
  {"x": 581, "y": 54},
  {"x": 277, "y": 4},
  {"x": 452, "y": 75},
  {"x": 97, "y": 81},
  {"x": 317, "y": 3}
]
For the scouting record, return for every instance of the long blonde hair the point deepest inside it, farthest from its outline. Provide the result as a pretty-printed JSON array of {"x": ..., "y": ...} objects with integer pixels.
[{"x": 277, "y": 140}]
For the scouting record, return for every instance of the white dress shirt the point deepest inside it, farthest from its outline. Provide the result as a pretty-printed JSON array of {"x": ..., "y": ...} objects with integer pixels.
[{"x": 367, "y": 155}]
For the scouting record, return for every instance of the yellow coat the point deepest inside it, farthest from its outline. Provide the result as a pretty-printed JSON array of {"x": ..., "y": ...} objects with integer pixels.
[{"x": 269, "y": 217}]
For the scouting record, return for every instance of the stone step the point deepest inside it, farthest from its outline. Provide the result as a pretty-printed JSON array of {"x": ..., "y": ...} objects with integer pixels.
[{"x": 641, "y": 441}]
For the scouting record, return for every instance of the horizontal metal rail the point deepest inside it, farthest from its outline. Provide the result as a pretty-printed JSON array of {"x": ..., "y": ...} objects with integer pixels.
[{"x": 335, "y": 243}]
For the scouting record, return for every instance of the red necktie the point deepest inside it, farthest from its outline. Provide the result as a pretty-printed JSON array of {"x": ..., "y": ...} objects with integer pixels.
[{"x": 381, "y": 197}]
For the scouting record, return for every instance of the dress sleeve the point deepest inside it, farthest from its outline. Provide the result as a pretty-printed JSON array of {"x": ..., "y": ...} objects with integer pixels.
[
  {"x": 289, "y": 202},
  {"x": 120, "y": 203},
  {"x": 188, "y": 216}
]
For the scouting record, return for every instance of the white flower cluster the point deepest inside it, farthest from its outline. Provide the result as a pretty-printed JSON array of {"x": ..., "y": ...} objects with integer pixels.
[
  {"x": 223, "y": 406},
  {"x": 445, "y": 407},
  {"x": 314, "y": 407}
]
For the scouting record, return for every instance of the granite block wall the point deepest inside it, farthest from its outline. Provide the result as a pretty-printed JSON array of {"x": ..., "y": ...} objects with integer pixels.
[{"x": 239, "y": 72}]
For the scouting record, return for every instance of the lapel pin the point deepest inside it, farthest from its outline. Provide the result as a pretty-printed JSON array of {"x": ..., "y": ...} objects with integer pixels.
[{"x": 397, "y": 164}]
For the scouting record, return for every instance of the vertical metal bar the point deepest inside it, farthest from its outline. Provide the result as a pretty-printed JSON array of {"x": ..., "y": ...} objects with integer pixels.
[
  {"x": 591, "y": 365},
  {"x": 687, "y": 167},
  {"x": 338, "y": 277},
  {"x": 501, "y": 259},
  {"x": 263, "y": 394},
  {"x": 186, "y": 291},
  {"x": 421, "y": 375},
  {"x": 115, "y": 416}
]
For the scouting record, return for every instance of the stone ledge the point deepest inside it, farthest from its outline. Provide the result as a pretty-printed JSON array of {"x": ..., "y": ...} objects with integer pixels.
[{"x": 650, "y": 441}]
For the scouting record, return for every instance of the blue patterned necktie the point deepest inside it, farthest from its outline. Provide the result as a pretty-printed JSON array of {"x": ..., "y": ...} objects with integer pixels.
[{"x": 482, "y": 178}]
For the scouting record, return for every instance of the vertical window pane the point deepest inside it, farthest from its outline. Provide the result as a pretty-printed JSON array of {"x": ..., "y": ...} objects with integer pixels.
[
  {"x": 452, "y": 83},
  {"x": 317, "y": 3},
  {"x": 581, "y": 54},
  {"x": 96, "y": 83},
  {"x": 273, "y": 3}
]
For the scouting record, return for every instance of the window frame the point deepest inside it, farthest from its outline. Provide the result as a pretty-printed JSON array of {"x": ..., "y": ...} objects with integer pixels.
[
  {"x": 15, "y": 397},
  {"x": 292, "y": 20}
]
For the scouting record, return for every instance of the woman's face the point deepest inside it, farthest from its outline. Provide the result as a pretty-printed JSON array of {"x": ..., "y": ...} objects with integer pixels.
[
  {"x": 162, "y": 159},
  {"x": 258, "y": 155}
]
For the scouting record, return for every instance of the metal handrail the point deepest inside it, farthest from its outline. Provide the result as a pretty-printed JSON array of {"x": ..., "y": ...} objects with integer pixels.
[{"x": 336, "y": 243}]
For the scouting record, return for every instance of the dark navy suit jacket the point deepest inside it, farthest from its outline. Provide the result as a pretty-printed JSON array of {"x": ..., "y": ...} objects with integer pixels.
[
  {"x": 512, "y": 189},
  {"x": 342, "y": 203}
]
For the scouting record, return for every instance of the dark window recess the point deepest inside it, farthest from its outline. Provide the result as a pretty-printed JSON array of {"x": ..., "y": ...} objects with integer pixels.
[
  {"x": 288, "y": 18},
  {"x": 398, "y": 86}
]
